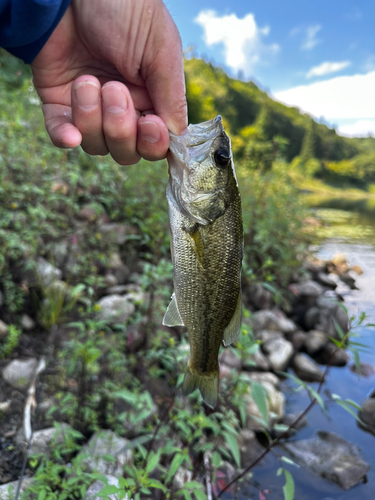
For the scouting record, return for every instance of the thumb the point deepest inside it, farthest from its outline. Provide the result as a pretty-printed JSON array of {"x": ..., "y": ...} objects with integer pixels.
[{"x": 164, "y": 72}]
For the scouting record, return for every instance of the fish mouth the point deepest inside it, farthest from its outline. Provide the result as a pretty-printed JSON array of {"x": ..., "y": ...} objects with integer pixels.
[{"x": 195, "y": 135}]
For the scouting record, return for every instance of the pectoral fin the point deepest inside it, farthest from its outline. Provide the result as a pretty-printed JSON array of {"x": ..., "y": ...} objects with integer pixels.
[
  {"x": 196, "y": 242},
  {"x": 172, "y": 316},
  {"x": 233, "y": 329}
]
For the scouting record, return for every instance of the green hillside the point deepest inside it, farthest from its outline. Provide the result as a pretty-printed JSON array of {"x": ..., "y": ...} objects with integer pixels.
[{"x": 254, "y": 119}]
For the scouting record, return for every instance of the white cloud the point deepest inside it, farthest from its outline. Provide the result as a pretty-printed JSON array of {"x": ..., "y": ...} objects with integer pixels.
[
  {"x": 339, "y": 98},
  {"x": 358, "y": 128},
  {"x": 242, "y": 38},
  {"x": 326, "y": 68},
  {"x": 310, "y": 39}
]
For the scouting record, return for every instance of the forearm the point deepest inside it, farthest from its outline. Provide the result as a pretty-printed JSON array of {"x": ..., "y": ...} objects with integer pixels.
[{"x": 26, "y": 25}]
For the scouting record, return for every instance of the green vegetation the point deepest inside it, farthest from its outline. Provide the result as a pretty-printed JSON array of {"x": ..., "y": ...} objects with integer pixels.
[{"x": 125, "y": 376}]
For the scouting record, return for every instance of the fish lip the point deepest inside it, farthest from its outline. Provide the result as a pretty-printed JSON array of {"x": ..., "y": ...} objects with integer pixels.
[{"x": 194, "y": 135}]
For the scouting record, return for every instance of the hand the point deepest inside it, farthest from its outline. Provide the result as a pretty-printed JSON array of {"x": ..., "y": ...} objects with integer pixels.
[{"x": 111, "y": 79}]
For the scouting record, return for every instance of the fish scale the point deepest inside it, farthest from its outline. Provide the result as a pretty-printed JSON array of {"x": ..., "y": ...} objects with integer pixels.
[{"x": 205, "y": 218}]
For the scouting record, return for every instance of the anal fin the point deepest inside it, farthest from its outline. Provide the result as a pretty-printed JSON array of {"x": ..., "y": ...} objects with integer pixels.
[
  {"x": 172, "y": 316},
  {"x": 233, "y": 328}
]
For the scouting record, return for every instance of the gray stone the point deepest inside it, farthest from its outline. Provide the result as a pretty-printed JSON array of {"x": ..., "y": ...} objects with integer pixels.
[
  {"x": 257, "y": 360},
  {"x": 331, "y": 457},
  {"x": 102, "y": 444},
  {"x": 315, "y": 341},
  {"x": 367, "y": 413},
  {"x": 27, "y": 323},
  {"x": 324, "y": 315},
  {"x": 93, "y": 491},
  {"x": 263, "y": 377},
  {"x": 273, "y": 320},
  {"x": 335, "y": 357},
  {"x": 4, "y": 406},
  {"x": 266, "y": 335},
  {"x": 258, "y": 296},
  {"x": 115, "y": 309},
  {"x": 46, "y": 272},
  {"x": 18, "y": 372},
  {"x": 60, "y": 252},
  {"x": 250, "y": 447},
  {"x": 110, "y": 280},
  {"x": 44, "y": 439},
  {"x": 8, "y": 491},
  {"x": 3, "y": 330},
  {"x": 309, "y": 289},
  {"x": 325, "y": 280},
  {"x": 181, "y": 477},
  {"x": 298, "y": 339},
  {"x": 290, "y": 418},
  {"x": 229, "y": 358},
  {"x": 275, "y": 401},
  {"x": 306, "y": 369},
  {"x": 279, "y": 353}
]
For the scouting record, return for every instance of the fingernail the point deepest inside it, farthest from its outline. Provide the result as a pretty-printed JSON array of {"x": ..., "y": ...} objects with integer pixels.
[
  {"x": 114, "y": 99},
  {"x": 149, "y": 132},
  {"x": 87, "y": 95}
]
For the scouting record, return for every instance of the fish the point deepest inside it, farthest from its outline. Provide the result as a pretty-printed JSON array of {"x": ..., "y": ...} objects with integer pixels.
[{"x": 205, "y": 217}]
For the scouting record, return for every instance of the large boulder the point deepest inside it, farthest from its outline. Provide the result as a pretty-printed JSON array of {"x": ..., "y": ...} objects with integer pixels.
[
  {"x": 44, "y": 439},
  {"x": 331, "y": 457},
  {"x": 324, "y": 316}
]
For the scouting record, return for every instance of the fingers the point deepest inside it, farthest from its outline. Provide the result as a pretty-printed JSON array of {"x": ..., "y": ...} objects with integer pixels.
[{"x": 108, "y": 122}]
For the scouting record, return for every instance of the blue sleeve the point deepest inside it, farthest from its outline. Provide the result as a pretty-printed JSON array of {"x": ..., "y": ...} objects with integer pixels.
[{"x": 26, "y": 25}]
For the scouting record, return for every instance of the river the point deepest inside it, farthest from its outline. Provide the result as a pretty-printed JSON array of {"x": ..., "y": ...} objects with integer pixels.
[{"x": 350, "y": 230}]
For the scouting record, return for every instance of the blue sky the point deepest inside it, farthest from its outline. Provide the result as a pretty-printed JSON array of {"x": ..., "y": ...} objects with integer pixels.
[{"x": 318, "y": 55}]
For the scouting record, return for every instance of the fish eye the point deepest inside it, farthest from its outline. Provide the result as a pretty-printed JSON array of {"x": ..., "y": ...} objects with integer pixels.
[{"x": 222, "y": 157}]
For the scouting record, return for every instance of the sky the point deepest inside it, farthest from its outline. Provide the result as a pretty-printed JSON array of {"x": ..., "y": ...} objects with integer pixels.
[{"x": 318, "y": 55}]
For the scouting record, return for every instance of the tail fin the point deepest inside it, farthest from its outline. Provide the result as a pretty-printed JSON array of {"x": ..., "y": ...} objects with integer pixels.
[{"x": 206, "y": 383}]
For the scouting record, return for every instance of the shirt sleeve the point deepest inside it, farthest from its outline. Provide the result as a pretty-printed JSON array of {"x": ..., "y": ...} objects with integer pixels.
[{"x": 26, "y": 25}]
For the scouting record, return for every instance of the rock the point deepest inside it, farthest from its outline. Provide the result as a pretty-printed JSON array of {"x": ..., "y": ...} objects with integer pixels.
[
  {"x": 297, "y": 339},
  {"x": 306, "y": 369},
  {"x": 365, "y": 369},
  {"x": 367, "y": 413},
  {"x": 102, "y": 444},
  {"x": 308, "y": 289},
  {"x": 315, "y": 341},
  {"x": 110, "y": 280},
  {"x": 357, "y": 270},
  {"x": 3, "y": 330},
  {"x": 1, "y": 298},
  {"x": 8, "y": 491},
  {"x": 27, "y": 323},
  {"x": 46, "y": 272},
  {"x": 118, "y": 268},
  {"x": 60, "y": 252},
  {"x": 323, "y": 316},
  {"x": 325, "y": 280},
  {"x": 250, "y": 447},
  {"x": 290, "y": 418},
  {"x": 229, "y": 358},
  {"x": 348, "y": 280},
  {"x": 19, "y": 372},
  {"x": 340, "y": 358},
  {"x": 272, "y": 321},
  {"x": 4, "y": 406},
  {"x": 279, "y": 353},
  {"x": 44, "y": 438},
  {"x": 258, "y": 296},
  {"x": 275, "y": 401},
  {"x": 93, "y": 491},
  {"x": 116, "y": 233},
  {"x": 122, "y": 289},
  {"x": 181, "y": 477},
  {"x": 257, "y": 360},
  {"x": 266, "y": 335},
  {"x": 330, "y": 456},
  {"x": 263, "y": 378},
  {"x": 115, "y": 309}
]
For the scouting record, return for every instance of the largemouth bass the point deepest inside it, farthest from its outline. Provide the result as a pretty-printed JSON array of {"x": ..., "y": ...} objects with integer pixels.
[{"x": 205, "y": 218}]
